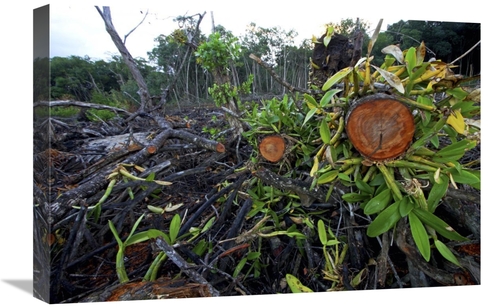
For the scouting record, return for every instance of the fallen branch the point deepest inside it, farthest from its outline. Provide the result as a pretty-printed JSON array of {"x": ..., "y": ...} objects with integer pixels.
[
  {"x": 184, "y": 266},
  {"x": 67, "y": 103}
]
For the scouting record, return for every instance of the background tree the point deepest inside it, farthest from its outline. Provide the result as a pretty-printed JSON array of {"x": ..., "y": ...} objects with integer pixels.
[{"x": 445, "y": 41}]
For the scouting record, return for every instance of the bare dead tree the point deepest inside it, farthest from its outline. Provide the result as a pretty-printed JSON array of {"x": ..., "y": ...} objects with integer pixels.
[{"x": 146, "y": 102}]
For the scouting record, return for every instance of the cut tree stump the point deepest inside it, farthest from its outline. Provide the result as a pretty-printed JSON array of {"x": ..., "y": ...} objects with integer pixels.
[
  {"x": 380, "y": 127},
  {"x": 272, "y": 148}
]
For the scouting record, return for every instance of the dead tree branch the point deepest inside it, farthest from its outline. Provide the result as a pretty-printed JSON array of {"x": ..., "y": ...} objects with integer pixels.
[
  {"x": 67, "y": 103},
  {"x": 126, "y": 35},
  {"x": 184, "y": 266},
  {"x": 146, "y": 101}
]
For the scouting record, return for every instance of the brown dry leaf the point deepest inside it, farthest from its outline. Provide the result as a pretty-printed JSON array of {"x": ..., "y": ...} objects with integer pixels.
[
  {"x": 474, "y": 96},
  {"x": 421, "y": 53},
  {"x": 395, "y": 51},
  {"x": 391, "y": 79}
]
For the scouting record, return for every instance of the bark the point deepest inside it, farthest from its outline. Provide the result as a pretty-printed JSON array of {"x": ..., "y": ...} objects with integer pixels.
[
  {"x": 146, "y": 102},
  {"x": 162, "y": 288},
  {"x": 80, "y": 104},
  {"x": 97, "y": 181}
]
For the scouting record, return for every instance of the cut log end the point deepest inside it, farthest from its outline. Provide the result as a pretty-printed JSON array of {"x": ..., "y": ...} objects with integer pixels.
[
  {"x": 272, "y": 148},
  {"x": 220, "y": 148},
  {"x": 380, "y": 127},
  {"x": 151, "y": 149}
]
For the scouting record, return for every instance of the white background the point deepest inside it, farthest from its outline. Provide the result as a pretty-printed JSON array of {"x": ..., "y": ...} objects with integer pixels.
[{"x": 16, "y": 163}]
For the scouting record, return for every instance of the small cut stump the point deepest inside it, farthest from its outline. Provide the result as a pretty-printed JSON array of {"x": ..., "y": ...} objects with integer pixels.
[
  {"x": 272, "y": 148},
  {"x": 380, "y": 127}
]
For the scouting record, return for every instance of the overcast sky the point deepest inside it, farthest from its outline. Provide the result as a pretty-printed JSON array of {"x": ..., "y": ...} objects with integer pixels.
[{"x": 77, "y": 28}]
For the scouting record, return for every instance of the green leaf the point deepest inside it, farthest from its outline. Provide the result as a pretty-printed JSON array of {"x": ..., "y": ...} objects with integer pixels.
[
  {"x": 208, "y": 224},
  {"x": 464, "y": 177},
  {"x": 344, "y": 177},
  {"x": 309, "y": 115},
  {"x": 150, "y": 177},
  {"x": 327, "y": 98},
  {"x": 326, "y": 40},
  {"x": 454, "y": 151},
  {"x": 139, "y": 237},
  {"x": 411, "y": 60},
  {"x": 253, "y": 255},
  {"x": 155, "y": 209},
  {"x": 438, "y": 224},
  {"x": 468, "y": 108},
  {"x": 295, "y": 285},
  {"x": 115, "y": 233},
  {"x": 175, "y": 225},
  {"x": 437, "y": 192},
  {"x": 421, "y": 69},
  {"x": 120, "y": 266},
  {"x": 322, "y": 232},
  {"x": 328, "y": 177},
  {"x": 311, "y": 101},
  {"x": 420, "y": 236},
  {"x": 356, "y": 280},
  {"x": 446, "y": 252},
  {"x": 385, "y": 220},
  {"x": 378, "y": 203},
  {"x": 154, "y": 233},
  {"x": 406, "y": 206},
  {"x": 338, "y": 76},
  {"x": 200, "y": 248},
  {"x": 458, "y": 93},
  {"x": 239, "y": 267},
  {"x": 324, "y": 131},
  {"x": 133, "y": 228},
  {"x": 354, "y": 197},
  {"x": 435, "y": 141},
  {"x": 332, "y": 242},
  {"x": 364, "y": 187}
]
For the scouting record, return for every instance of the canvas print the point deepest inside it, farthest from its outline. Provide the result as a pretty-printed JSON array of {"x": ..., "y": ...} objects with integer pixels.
[{"x": 179, "y": 156}]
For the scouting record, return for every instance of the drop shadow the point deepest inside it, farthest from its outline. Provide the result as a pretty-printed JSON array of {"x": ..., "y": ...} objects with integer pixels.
[{"x": 25, "y": 285}]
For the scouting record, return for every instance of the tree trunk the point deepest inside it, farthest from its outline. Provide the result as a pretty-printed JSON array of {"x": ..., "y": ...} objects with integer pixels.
[
  {"x": 146, "y": 102},
  {"x": 272, "y": 148},
  {"x": 221, "y": 78},
  {"x": 380, "y": 127}
]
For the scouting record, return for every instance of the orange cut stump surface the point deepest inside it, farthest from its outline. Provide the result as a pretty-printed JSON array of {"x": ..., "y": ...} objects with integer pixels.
[{"x": 380, "y": 128}]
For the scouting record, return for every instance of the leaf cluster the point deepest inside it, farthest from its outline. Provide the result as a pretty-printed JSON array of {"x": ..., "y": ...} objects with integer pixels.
[{"x": 446, "y": 114}]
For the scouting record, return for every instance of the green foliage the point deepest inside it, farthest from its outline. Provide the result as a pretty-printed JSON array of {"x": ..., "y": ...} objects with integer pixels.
[
  {"x": 410, "y": 77},
  {"x": 295, "y": 285},
  {"x": 445, "y": 41},
  {"x": 444, "y": 132},
  {"x": 134, "y": 238},
  {"x": 218, "y": 52},
  {"x": 78, "y": 77}
]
